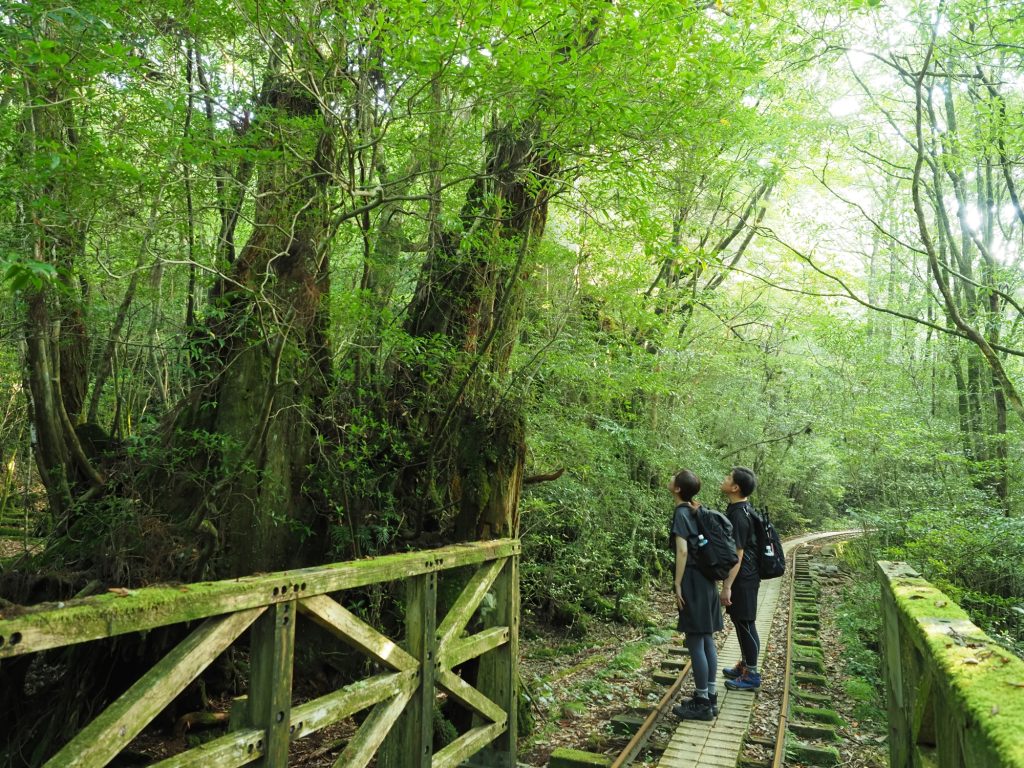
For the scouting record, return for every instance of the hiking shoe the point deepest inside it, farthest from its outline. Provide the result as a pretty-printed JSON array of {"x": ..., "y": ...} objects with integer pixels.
[
  {"x": 713, "y": 698},
  {"x": 733, "y": 672},
  {"x": 694, "y": 709},
  {"x": 748, "y": 681}
]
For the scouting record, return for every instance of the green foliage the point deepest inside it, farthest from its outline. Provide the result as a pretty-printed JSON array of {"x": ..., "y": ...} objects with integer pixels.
[
  {"x": 859, "y": 624},
  {"x": 277, "y": 246},
  {"x": 957, "y": 550},
  {"x": 681, "y": 305},
  {"x": 630, "y": 658},
  {"x": 21, "y": 274},
  {"x": 444, "y": 732}
]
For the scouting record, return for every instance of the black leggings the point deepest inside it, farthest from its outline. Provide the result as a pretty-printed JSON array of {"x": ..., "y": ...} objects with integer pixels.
[
  {"x": 750, "y": 642},
  {"x": 703, "y": 657}
]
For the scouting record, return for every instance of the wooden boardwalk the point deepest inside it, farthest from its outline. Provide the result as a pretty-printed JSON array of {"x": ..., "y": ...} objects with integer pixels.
[{"x": 717, "y": 744}]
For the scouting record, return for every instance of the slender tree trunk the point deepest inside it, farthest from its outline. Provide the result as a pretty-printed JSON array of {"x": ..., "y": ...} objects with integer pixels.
[
  {"x": 962, "y": 407},
  {"x": 52, "y": 454},
  {"x": 1000, "y": 455},
  {"x": 939, "y": 271},
  {"x": 55, "y": 334}
]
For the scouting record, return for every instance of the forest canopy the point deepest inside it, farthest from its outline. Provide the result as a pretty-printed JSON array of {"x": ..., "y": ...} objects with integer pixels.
[{"x": 289, "y": 283}]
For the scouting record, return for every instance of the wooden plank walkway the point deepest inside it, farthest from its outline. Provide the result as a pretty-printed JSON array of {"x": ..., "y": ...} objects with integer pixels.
[{"x": 717, "y": 744}]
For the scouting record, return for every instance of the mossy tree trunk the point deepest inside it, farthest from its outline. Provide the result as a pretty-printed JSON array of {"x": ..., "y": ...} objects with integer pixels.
[
  {"x": 252, "y": 415},
  {"x": 469, "y": 437},
  {"x": 466, "y": 432},
  {"x": 56, "y": 341}
]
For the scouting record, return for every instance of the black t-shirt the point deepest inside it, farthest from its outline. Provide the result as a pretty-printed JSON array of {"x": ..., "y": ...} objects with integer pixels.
[
  {"x": 685, "y": 526},
  {"x": 746, "y": 539}
]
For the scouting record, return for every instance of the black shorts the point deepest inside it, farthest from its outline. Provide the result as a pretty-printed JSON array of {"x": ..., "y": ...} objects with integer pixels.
[{"x": 744, "y": 600}]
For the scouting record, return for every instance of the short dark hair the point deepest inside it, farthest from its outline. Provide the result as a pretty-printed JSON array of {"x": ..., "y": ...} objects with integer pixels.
[
  {"x": 687, "y": 483},
  {"x": 745, "y": 479}
]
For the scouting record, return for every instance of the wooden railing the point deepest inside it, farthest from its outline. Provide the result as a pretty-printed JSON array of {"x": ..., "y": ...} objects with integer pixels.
[
  {"x": 955, "y": 697},
  {"x": 402, "y": 695}
]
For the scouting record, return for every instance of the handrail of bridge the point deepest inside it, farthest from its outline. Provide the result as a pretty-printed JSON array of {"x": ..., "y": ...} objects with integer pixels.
[
  {"x": 955, "y": 697},
  {"x": 399, "y": 728}
]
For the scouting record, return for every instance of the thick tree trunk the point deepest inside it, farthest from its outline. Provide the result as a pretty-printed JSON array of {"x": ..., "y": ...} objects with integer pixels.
[
  {"x": 268, "y": 357},
  {"x": 470, "y": 293}
]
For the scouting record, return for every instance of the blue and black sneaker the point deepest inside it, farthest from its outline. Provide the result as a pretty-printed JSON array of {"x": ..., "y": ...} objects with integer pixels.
[
  {"x": 733, "y": 672},
  {"x": 748, "y": 681}
]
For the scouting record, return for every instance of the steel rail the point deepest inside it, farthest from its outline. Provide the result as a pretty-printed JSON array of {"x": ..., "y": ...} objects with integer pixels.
[
  {"x": 639, "y": 739},
  {"x": 780, "y": 733},
  {"x": 779, "y": 758},
  {"x": 632, "y": 749}
]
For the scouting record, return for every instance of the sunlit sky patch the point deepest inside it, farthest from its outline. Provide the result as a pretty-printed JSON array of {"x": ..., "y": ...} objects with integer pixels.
[{"x": 844, "y": 106}]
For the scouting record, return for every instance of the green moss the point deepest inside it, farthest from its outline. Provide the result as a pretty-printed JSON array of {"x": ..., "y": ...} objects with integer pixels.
[
  {"x": 813, "y": 664},
  {"x": 555, "y": 651},
  {"x": 810, "y": 679},
  {"x": 444, "y": 732},
  {"x": 859, "y": 690},
  {"x": 630, "y": 658},
  {"x": 817, "y": 698},
  {"x": 812, "y": 755},
  {"x": 808, "y": 651},
  {"x": 817, "y": 714},
  {"x": 983, "y": 679},
  {"x": 815, "y": 731}
]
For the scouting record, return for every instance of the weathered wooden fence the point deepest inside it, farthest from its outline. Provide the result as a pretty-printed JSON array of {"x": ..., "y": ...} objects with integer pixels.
[
  {"x": 955, "y": 697},
  {"x": 402, "y": 694}
]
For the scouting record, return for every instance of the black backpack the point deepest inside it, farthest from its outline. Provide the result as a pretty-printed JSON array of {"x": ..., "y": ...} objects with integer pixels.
[
  {"x": 771, "y": 560},
  {"x": 714, "y": 548}
]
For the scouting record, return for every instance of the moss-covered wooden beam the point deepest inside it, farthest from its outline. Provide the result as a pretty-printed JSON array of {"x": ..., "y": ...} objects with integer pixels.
[
  {"x": 313, "y": 715},
  {"x": 410, "y": 744},
  {"x": 363, "y": 746},
  {"x": 977, "y": 683},
  {"x": 53, "y": 625},
  {"x": 341, "y": 622},
  {"x": 470, "y": 697},
  {"x": 122, "y": 721},
  {"x": 271, "y": 666},
  {"x": 467, "y": 603},
  {"x": 467, "y": 745},
  {"x": 498, "y": 673},
  {"x": 245, "y": 746},
  {"x": 473, "y": 646},
  {"x": 236, "y": 749}
]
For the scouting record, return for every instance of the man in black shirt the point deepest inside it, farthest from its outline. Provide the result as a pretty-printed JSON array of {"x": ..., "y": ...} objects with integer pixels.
[{"x": 739, "y": 590}]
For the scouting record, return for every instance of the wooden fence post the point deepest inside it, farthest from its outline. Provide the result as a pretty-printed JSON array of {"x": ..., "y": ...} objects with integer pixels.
[
  {"x": 498, "y": 678},
  {"x": 270, "y": 684},
  {"x": 411, "y": 741}
]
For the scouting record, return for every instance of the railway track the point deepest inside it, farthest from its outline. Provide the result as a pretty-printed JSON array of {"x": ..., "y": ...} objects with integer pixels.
[{"x": 801, "y": 675}]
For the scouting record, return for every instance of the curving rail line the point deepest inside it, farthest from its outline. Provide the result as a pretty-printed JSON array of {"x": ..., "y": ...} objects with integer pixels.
[{"x": 636, "y": 744}]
